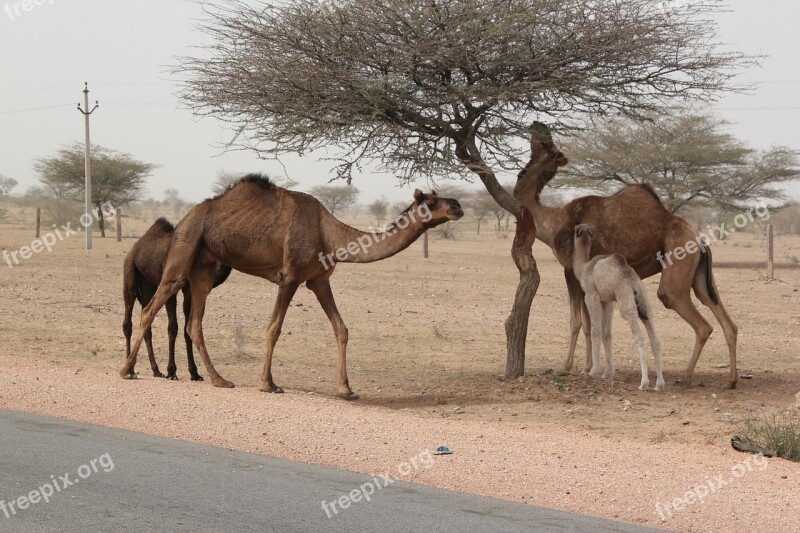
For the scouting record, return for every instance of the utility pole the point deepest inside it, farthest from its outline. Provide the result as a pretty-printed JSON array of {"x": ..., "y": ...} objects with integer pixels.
[{"x": 88, "y": 164}]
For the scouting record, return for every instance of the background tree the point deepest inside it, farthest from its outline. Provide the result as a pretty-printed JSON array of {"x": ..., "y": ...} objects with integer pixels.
[
  {"x": 379, "y": 209},
  {"x": 117, "y": 178},
  {"x": 480, "y": 202},
  {"x": 687, "y": 157},
  {"x": 448, "y": 87},
  {"x": 6, "y": 185},
  {"x": 335, "y": 197}
]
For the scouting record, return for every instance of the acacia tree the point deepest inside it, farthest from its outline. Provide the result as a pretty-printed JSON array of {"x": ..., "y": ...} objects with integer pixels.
[
  {"x": 117, "y": 178},
  {"x": 379, "y": 209},
  {"x": 6, "y": 185},
  {"x": 447, "y": 86},
  {"x": 480, "y": 202},
  {"x": 687, "y": 157},
  {"x": 335, "y": 197}
]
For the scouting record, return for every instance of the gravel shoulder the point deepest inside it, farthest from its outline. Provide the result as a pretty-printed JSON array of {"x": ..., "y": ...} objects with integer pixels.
[{"x": 545, "y": 464}]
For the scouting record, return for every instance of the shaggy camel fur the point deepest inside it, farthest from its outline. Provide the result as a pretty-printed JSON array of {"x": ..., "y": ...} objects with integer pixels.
[
  {"x": 606, "y": 279},
  {"x": 142, "y": 271},
  {"x": 634, "y": 224},
  {"x": 284, "y": 236}
]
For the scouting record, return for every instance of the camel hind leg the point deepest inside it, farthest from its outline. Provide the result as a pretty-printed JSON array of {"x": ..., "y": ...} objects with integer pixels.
[
  {"x": 705, "y": 288},
  {"x": 629, "y": 311},
  {"x": 673, "y": 291}
]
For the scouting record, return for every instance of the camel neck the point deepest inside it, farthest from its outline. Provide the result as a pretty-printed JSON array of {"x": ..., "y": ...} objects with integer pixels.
[
  {"x": 579, "y": 258},
  {"x": 547, "y": 219},
  {"x": 346, "y": 244}
]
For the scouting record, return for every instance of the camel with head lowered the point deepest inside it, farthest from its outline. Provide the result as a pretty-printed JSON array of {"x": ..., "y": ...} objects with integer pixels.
[
  {"x": 634, "y": 224},
  {"x": 284, "y": 236},
  {"x": 142, "y": 271}
]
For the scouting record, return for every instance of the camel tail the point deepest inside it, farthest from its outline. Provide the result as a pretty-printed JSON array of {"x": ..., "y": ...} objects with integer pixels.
[
  {"x": 704, "y": 270},
  {"x": 130, "y": 288},
  {"x": 641, "y": 301}
]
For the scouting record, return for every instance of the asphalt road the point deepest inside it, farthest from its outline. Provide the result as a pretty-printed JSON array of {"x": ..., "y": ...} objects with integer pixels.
[{"x": 100, "y": 479}]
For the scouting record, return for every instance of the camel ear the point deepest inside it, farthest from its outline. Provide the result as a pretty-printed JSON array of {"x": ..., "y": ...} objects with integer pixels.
[{"x": 419, "y": 196}]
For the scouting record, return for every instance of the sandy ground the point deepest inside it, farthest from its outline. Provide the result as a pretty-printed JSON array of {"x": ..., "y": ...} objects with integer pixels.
[{"x": 426, "y": 349}]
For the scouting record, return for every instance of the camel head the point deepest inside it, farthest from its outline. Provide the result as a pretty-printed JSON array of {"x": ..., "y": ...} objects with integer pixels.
[
  {"x": 544, "y": 162},
  {"x": 583, "y": 234},
  {"x": 434, "y": 210}
]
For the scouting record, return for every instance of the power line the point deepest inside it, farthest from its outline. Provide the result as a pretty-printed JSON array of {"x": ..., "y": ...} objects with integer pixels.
[
  {"x": 35, "y": 108},
  {"x": 40, "y": 89}
]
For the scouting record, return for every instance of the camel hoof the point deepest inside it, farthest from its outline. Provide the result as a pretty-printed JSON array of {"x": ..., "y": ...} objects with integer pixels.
[
  {"x": 274, "y": 389},
  {"x": 172, "y": 377},
  {"x": 347, "y": 396},
  {"x": 128, "y": 375},
  {"x": 197, "y": 377},
  {"x": 660, "y": 386},
  {"x": 645, "y": 386},
  {"x": 222, "y": 383},
  {"x": 158, "y": 374}
]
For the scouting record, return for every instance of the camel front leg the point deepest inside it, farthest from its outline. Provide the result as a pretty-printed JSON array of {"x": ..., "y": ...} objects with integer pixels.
[
  {"x": 655, "y": 345},
  {"x": 285, "y": 295},
  {"x": 172, "y": 330},
  {"x": 187, "y": 316},
  {"x": 322, "y": 290},
  {"x": 201, "y": 280},
  {"x": 595, "y": 308},
  {"x": 608, "y": 320},
  {"x": 575, "y": 307}
]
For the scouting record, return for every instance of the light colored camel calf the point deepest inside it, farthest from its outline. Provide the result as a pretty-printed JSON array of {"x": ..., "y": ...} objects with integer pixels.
[{"x": 606, "y": 279}]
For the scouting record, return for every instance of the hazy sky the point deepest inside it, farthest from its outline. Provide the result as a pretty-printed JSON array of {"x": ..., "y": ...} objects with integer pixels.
[{"x": 124, "y": 50}]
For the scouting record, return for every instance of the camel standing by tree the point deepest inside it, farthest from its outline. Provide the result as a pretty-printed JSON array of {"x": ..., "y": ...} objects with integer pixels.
[
  {"x": 606, "y": 279},
  {"x": 634, "y": 224},
  {"x": 142, "y": 271},
  {"x": 286, "y": 237}
]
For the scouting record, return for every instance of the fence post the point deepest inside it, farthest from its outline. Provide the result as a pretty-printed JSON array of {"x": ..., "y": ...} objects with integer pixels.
[
  {"x": 425, "y": 244},
  {"x": 118, "y": 218},
  {"x": 38, "y": 221},
  {"x": 770, "y": 250}
]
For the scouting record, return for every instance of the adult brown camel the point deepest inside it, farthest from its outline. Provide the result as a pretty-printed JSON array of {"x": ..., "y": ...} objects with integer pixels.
[
  {"x": 634, "y": 224},
  {"x": 142, "y": 271},
  {"x": 284, "y": 236}
]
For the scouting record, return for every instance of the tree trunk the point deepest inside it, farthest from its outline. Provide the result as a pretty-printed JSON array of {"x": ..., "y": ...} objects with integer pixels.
[
  {"x": 521, "y": 251},
  {"x": 101, "y": 223},
  {"x": 517, "y": 322},
  {"x": 479, "y": 226}
]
